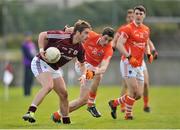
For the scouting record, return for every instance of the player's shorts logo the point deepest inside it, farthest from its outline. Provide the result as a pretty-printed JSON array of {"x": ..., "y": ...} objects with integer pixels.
[{"x": 130, "y": 72}]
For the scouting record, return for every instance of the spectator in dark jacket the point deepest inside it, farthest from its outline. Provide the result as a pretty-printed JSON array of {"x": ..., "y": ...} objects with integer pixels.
[{"x": 28, "y": 51}]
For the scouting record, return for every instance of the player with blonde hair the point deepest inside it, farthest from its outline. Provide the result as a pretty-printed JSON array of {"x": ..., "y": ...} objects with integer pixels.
[{"x": 49, "y": 74}]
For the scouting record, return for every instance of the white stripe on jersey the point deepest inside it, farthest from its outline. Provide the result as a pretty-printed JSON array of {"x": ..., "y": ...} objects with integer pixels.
[
  {"x": 59, "y": 36},
  {"x": 123, "y": 35}
]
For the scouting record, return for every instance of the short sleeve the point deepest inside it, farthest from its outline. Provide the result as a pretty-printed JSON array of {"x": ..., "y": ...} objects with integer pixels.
[
  {"x": 125, "y": 31},
  {"x": 54, "y": 35}
]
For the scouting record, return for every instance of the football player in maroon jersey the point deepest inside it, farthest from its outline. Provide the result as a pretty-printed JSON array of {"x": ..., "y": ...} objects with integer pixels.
[{"x": 49, "y": 74}]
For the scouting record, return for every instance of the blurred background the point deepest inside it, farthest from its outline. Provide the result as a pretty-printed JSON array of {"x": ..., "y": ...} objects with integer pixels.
[{"x": 20, "y": 16}]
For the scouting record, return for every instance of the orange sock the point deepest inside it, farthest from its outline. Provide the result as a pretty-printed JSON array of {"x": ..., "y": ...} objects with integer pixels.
[
  {"x": 91, "y": 99},
  {"x": 122, "y": 107},
  {"x": 116, "y": 102},
  {"x": 146, "y": 100},
  {"x": 129, "y": 105},
  {"x": 120, "y": 100}
]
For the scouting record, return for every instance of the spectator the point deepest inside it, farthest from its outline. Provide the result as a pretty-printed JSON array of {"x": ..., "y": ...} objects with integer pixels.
[{"x": 28, "y": 51}]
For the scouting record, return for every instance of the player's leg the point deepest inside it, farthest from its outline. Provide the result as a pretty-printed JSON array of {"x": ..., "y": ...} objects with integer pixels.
[
  {"x": 81, "y": 100},
  {"x": 46, "y": 81},
  {"x": 60, "y": 89},
  {"x": 78, "y": 102},
  {"x": 128, "y": 99},
  {"x": 84, "y": 89},
  {"x": 73, "y": 105},
  {"x": 92, "y": 96},
  {"x": 114, "y": 103},
  {"x": 121, "y": 100},
  {"x": 130, "y": 76},
  {"x": 118, "y": 101},
  {"x": 123, "y": 92},
  {"x": 43, "y": 73},
  {"x": 146, "y": 91},
  {"x": 132, "y": 85},
  {"x": 135, "y": 90}
]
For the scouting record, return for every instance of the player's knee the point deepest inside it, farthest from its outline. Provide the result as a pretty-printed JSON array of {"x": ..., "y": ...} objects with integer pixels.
[
  {"x": 48, "y": 87},
  {"x": 64, "y": 95}
]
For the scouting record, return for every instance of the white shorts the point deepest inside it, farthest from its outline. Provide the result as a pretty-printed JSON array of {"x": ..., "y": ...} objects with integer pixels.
[
  {"x": 38, "y": 66},
  {"x": 128, "y": 71},
  {"x": 88, "y": 66}
]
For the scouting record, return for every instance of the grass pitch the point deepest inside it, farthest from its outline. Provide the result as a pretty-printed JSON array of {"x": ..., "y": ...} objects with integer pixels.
[{"x": 164, "y": 102}]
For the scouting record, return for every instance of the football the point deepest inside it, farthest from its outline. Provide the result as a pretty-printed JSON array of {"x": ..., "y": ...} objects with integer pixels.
[{"x": 53, "y": 54}]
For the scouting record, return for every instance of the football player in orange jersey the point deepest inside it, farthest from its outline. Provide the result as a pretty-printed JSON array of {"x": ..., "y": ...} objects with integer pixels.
[
  {"x": 98, "y": 52},
  {"x": 130, "y": 18},
  {"x": 132, "y": 43}
]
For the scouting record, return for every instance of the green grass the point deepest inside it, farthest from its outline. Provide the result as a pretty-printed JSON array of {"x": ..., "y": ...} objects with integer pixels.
[{"x": 164, "y": 102}]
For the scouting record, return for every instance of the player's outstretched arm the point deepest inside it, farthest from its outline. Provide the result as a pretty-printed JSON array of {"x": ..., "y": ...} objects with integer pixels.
[{"x": 104, "y": 64}]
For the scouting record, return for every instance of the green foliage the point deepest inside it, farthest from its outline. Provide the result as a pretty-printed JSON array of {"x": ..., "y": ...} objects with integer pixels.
[
  {"x": 20, "y": 19},
  {"x": 163, "y": 100},
  {"x": 14, "y": 41},
  {"x": 45, "y": 17}
]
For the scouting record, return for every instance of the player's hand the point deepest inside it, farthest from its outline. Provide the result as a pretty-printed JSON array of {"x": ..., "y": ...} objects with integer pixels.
[
  {"x": 133, "y": 61},
  {"x": 90, "y": 74},
  {"x": 68, "y": 29},
  {"x": 65, "y": 27},
  {"x": 42, "y": 53},
  {"x": 155, "y": 54},
  {"x": 150, "y": 58},
  {"x": 82, "y": 79}
]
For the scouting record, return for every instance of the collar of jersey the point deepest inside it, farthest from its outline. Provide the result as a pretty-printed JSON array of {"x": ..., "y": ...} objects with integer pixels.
[{"x": 134, "y": 23}]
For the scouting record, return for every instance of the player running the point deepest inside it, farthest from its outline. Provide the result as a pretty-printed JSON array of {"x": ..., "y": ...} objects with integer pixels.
[
  {"x": 132, "y": 43},
  {"x": 146, "y": 108},
  {"x": 98, "y": 52},
  {"x": 49, "y": 75}
]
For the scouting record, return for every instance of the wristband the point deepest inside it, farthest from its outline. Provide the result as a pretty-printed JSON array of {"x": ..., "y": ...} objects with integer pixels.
[{"x": 153, "y": 51}]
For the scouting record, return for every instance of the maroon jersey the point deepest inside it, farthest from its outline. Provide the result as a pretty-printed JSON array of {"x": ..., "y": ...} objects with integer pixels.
[{"x": 63, "y": 41}]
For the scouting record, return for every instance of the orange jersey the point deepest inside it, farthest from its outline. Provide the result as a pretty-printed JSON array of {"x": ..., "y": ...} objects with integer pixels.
[
  {"x": 137, "y": 37},
  {"x": 94, "y": 52},
  {"x": 119, "y": 29},
  {"x": 118, "y": 33}
]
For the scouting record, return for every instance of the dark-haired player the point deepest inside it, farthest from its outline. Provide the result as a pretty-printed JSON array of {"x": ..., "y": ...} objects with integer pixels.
[{"x": 98, "y": 52}]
